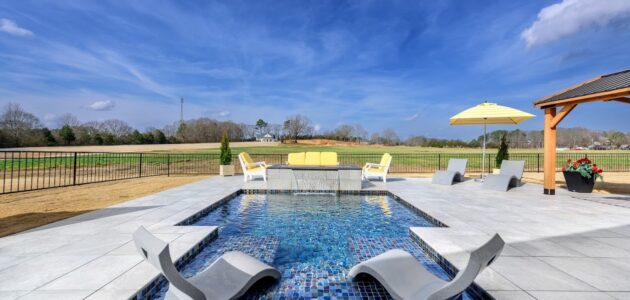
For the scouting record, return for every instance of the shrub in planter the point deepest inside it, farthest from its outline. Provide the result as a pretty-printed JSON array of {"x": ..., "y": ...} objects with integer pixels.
[
  {"x": 225, "y": 158},
  {"x": 580, "y": 175},
  {"x": 502, "y": 154}
]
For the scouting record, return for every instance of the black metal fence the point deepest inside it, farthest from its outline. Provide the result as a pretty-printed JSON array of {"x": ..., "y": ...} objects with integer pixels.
[{"x": 28, "y": 170}]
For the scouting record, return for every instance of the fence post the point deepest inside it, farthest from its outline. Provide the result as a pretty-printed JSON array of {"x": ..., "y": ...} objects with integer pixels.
[
  {"x": 439, "y": 161},
  {"x": 489, "y": 163},
  {"x": 74, "y": 171},
  {"x": 168, "y": 165},
  {"x": 538, "y": 162},
  {"x": 140, "y": 169}
]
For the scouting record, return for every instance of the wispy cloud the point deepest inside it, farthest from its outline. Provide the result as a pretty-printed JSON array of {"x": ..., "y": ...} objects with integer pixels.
[
  {"x": 222, "y": 114},
  {"x": 412, "y": 117},
  {"x": 102, "y": 105},
  {"x": 572, "y": 16},
  {"x": 10, "y": 27}
]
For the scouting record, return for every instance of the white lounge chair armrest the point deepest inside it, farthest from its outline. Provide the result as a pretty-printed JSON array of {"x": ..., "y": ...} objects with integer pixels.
[
  {"x": 257, "y": 164},
  {"x": 371, "y": 165}
]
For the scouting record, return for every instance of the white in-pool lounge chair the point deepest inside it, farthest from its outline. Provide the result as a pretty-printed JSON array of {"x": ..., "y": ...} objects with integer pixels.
[
  {"x": 454, "y": 172},
  {"x": 252, "y": 169},
  {"x": 405, "y": 278},
  {"x": 509, "y": 176},
  {"x": 380, "y": 170},
  {"x": 229, "y": 277}
]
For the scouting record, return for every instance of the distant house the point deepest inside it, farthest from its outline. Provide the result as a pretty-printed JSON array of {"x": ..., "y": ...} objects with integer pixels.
[
  {"x": 267, "y": 138},
  {"x": 598, "y": 146},
  {"x": 624, "y": 147}
]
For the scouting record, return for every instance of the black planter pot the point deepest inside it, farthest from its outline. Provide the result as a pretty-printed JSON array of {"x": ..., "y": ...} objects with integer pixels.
[{"x": 577, "y": 183}]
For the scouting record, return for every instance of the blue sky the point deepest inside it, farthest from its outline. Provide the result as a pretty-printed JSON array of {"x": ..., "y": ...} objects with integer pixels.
[{"x": 407, "y": 65}]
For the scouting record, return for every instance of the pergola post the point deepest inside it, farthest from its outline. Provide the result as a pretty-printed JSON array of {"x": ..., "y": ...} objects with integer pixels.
[{"x": 550, "y": 152}]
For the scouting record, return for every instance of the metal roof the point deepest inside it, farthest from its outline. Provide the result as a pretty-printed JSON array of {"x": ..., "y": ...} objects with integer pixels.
[{"x": 604, "y": 83}]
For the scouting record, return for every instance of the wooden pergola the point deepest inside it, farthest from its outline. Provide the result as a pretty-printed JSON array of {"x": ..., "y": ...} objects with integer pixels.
[{"x": 610, "y": 87}]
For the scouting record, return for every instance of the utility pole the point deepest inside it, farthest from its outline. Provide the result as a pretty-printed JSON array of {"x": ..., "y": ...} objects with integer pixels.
[{"x": 181, "y": 111}]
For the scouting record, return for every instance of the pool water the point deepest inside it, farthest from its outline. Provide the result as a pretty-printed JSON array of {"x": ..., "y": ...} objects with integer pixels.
[{"x": 313, "y": 239}]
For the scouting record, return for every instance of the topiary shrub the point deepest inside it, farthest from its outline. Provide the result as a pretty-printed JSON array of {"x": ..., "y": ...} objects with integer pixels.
[
  {"x": 226, "y": 154},
  {"x": 503, "y": 152}
]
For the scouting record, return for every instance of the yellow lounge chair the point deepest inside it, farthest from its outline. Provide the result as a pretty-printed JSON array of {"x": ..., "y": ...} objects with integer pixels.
[
  {"x": 377, "y": 170},
  {"x": 251, "y": 168}
]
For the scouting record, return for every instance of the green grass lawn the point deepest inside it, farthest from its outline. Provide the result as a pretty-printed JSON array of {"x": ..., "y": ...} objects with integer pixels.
[{"x": 406, "y": 159}]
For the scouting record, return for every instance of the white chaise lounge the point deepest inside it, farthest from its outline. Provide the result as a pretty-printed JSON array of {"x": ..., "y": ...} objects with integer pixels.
[
  {"x": 454, "y": 172},
  {"x": 509, "y": 176},
  {"x": 404, "y": 277},
  {"x": 229, "y": 277}
]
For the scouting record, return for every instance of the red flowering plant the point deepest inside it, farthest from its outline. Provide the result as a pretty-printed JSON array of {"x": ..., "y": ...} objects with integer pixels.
[{"x": 584, "y": 166}]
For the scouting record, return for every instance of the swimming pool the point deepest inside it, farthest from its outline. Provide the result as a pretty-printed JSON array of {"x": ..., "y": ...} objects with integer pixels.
[{"x": 313, "y": 239}]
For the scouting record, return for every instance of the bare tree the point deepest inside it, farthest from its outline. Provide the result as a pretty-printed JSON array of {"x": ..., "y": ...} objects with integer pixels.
[
  {"x": 535, "y": 138},
  {"x": 359, "y": 132},
  {"x": 416, "y": 141},
  {"x": 249, "y": 131},
  {"x": 343, "y": 132},
  {"x": 17, "y": 123},
  {"x": 117, "y": 128},
  {"x": 375, "y": 138},
  {"x": 296, "y": 126},
  {"x": 390, "y": 137},
  {"x": 616, "y": 138},
  {"x": 68, "y": 119},
  {"x": 275, "y": 130}
]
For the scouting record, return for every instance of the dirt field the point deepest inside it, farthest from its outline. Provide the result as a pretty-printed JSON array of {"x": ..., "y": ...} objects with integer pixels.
[
  {"x": 144, "y": 148},
  {"x": 26, "y": 210}
]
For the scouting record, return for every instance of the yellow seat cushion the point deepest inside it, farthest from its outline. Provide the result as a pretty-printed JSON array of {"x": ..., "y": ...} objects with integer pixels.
[
  {"x": 312, "y": 159},
  {"x": 254, "y": 169},
  {"x": 328, "y": 159},
  {"x": 296, "y": 158},
  {"x": 375, "y": 170}
]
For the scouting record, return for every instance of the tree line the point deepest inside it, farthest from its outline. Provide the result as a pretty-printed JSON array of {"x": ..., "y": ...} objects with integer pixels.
[{"x": 19, "y": 128}]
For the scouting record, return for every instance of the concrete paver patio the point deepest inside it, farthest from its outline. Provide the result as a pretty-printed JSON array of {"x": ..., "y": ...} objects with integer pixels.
[{"x": 558, "y": 247}]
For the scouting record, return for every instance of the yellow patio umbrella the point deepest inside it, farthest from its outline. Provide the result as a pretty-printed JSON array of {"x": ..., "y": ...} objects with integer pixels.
[{"x": 489, "y": 113}]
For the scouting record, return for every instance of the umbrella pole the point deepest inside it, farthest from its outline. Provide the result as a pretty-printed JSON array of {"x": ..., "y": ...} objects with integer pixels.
[{"x": 483, "y": 152}]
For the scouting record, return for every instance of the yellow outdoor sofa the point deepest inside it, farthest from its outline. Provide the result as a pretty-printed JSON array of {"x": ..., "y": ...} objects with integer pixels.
[{"x": 313, "y": 159}]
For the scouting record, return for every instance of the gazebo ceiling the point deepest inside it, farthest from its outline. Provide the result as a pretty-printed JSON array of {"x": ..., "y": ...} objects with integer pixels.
[{"x": 613, "y": 86}]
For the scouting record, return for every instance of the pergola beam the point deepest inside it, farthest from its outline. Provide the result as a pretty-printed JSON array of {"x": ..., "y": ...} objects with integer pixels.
[
  {"x": 562, "y": 114},
  {"x": 622, "y": 99}
]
